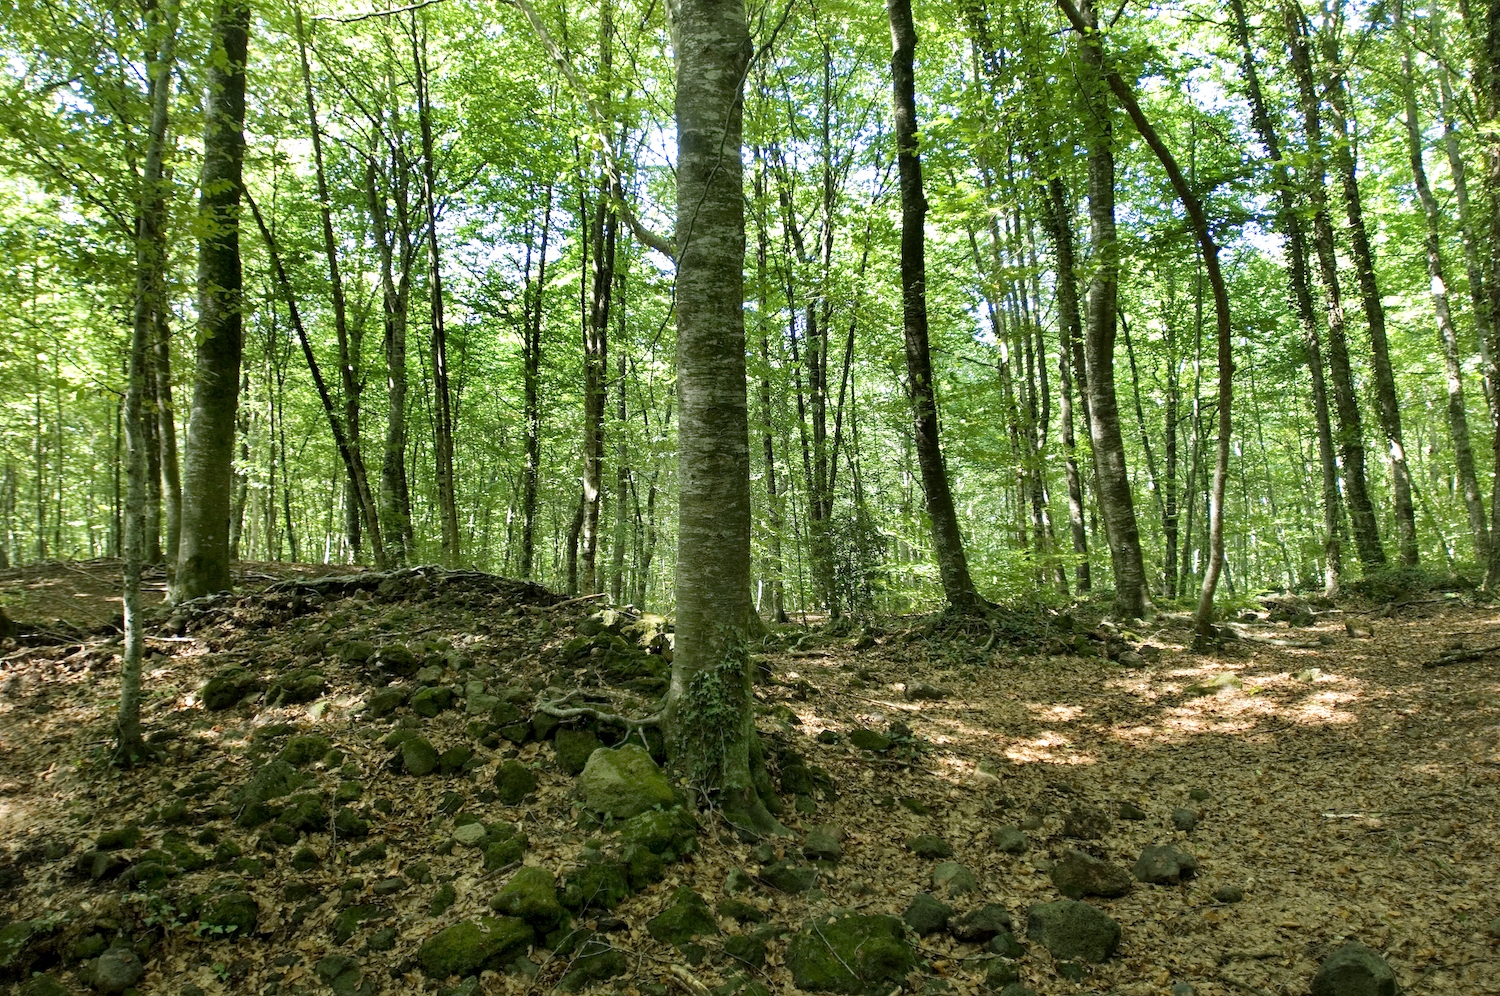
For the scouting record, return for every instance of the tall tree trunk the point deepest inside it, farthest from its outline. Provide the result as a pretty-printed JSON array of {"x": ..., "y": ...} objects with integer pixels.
[
  {"x": 1387, "y": 406},
  {"x": 1458, "y": 418},
  {"x": 1346, "y": 405},
  {"x": 442, "y": 395},
  {"x": 208, "y": 457},
  {"x": 767, "y": 416},
  {"x": 1057, "y": 215},
  {"x": 241, "y": 476},
  {"x": 348, "y": 374},
  {"x": 1209, "y": 249},
  {"x": 531, "y": 366},
  {"x": 130, "y": 747},
  {"x": 1489, "y": 62},
  {"x": 604, "y": 228},
  {"x": 947, "y": 540},
  {"x": 1289, "y": 220},
  {"x": 166, "y": 419},
  {"x": 152, "y": 430},
  {"x": 710, "y": 719},
  {"x": 622, "y": 467},
  {"x": 1113, "y": 487}
]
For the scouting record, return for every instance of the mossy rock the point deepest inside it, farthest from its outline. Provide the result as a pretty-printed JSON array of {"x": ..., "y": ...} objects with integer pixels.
[
  {"x": 386, "y": 701},
  {"x": 302, "y": 750},
  {"x": 688, "y": 917},
  {"x": 121, "y": 839},
  {"x": 595, "y": 961},
  {"x": 16, "y": 946},
  {"x": 227, "y": 687},
  {"x": 470, "y": 945},
  {"x": 1073, "y": 931},
  {"x": 271, "y": 781},
  {"x": 356, "y": 651},
  {"x": 859, "y": 955},
  {"x": 514, "y": 781},
  {"x": 531, "y": 895},
  {"x": 304, "y": 814},
  {"x": 643, "y": 867},
  {"x": 418, "y": 756},
  {"x": 398, "y": 660},
  {"x": 453, "y": 760},
  {"x": 623, "y": 782},
  {"x": 429, "y": 702},
  {"x": 296, "y": 687},
  {"x": 236, "y": 914},
  {"x": 670, "y": 833},
  {"x": 600, "y": 885},
  {"x": 499, "y": 853},
  {"x": 573, "y": 748},
  {"x": 351, "y": 918}
]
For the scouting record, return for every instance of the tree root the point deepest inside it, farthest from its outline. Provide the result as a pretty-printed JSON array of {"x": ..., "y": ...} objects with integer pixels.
[{"x": 559, "y": 709}]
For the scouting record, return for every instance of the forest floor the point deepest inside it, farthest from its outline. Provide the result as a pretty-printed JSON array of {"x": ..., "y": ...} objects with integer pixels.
[{"x": 1342, "y": 783}]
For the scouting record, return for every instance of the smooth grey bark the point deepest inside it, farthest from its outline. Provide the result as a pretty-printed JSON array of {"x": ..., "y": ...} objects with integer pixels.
[
  {"x": 1289, "y": 220},
  {"x": 1113, "y": 488},
  {"x": 710, "y": 720},
  {"x": 166, "y": 423},
  {"x": 1458, "y": 418},
  {"x": 604, "y": 227},
  {"x": 208, "y": 456},
  {"x": 130, "y": 749},
  {"x": 767, "y": 416},
  {"x": 1488, "y": 62},
  {"x": 1350, "y": 425},
  {"x": 1387, "y": 405},
  {"x": 531, "y": 367},
  {"x": 947, "y": 539}
]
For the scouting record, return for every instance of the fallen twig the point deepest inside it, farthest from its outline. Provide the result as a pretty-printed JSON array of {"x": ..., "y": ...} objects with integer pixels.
[
  {"x": 1463, "y": 656},
  {"x": 1243, "y": 987},
  {"x": 684, "y": 978}
]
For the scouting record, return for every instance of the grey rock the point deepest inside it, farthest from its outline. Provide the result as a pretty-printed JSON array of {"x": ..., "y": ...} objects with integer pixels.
[
  {"x": 1085, "y": 823},
  {"x": 788, "y": 876},
  {"x": 927, "y": 915},
  {"x": 1183, "y": 989},
  {"x": 869, "y": 740},
  {"x": 982, "y": 925},
  {"x": 1130, "y": 811},
  {"x": 825, "y": 843},
  {"x": 1354, "y": 970},
  {"x": 1007, "y": 944},
  {"x": 930, "y": 847},
  {"x": 1009, "y": 840},
  {"x": 1164, "y": 864},
  {"x": 1184, "y": 820},
  {"x": 1232, "y": 894},
  {"x": 1073, "y": 930},
  {"x": 953, "y": 878},
  {"x": 117, "y": 970},
  {"x": 920, "y": 690},
  {"x": 623, "y": 782},
  {"x": 531, "y": 895},
  {"x": 1078, "y": 874}
]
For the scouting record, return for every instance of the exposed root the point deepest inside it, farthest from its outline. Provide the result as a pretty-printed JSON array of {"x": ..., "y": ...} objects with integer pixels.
[{"x": 559, "y": 709}]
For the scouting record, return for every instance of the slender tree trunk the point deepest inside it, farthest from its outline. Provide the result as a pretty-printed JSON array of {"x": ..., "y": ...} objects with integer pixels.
[
  {"x": 1289, "y": 220},
  {"x": 130, "y": 748},
  {"x": 1489, "y": 62},
  {"x": 152, "y": 432},
  {"x": 241, "y": 477},
  {"x": 442, "y": 395},
  {"x": 1113, "y": 487},
  {"x": 1057, "y": 215},
  {"x": 595, "y": 373},
  {"x": 207, "y": 472},
  {"x": 531, "y": 365},
  {"x": 947, "y": 540},
  {"x": 166, "y": 420},
  {"x": 622, "y": 467},
  {"x": 767, "y": 419},
  {"x": 1346, "y": 405},
  {"x": 1458, "y": 418},
  {"x": 1387, "y": 405}
]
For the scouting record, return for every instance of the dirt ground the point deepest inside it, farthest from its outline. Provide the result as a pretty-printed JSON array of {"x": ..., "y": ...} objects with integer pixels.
[{"x": 1344, "y": 784}]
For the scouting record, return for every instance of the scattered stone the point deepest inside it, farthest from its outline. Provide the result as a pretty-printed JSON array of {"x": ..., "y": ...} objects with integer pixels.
[
  {"x": 869, "y": 740},
  {"x": 927, "y": 915},
  {"x": 1234, "y": 894},
  {"x": 1130, "y": 811},
  {"x": 1000, "y": 973},
  {"x": 953, "y": 878},
  {"x": 670, "y": 833},
  {"x": 45, "y": 985},
  {"x": 397, "y": 660},
  {"x": 828, "y": 737},
  {"x": 1164, "y": 864},
  {"x": 431, "y": 701},
  {"x": 15, "y": 940},
  {"x": 1494, "y": 924},
  {"x": 825, "y": 843},
  {"x": 296, "y": 687},
  {"x": 917, "y": 691},
  {"x": 304, "y": 814},
  {"x": 350, "y": 825},
  {"x": 531, "y": 895},
  {"x": 227, "y": 687},
  {"x": 1078, "y": 874},
  {"x": 234, "y": 915},
  {"x": 514, "y": 781},
  {"x": 1085, "y": 823},
  {"x": 788, "y": 876},
  {"x": 1129, "y": 658},
  {"x": 389, "y": 886},
  {"x": 470, "y": 835},
  {"x": 623, "y": 782},
  {"x": 470, "y": 945},
  {"x": 443, "y": 899},
  {"x": 117, "y": 970},
  {"x": 573, "y": 748},
  {"x": 740, "y": 911},
  {"x": 1199, "y": 794},
  {"x": 1073, "y": 930},
  {"x": 419, "y": 757},
  {"x": 596, "y": 884},
  {"x": 1184, "y": 820},
  {"x": 1007, "y": 944},
  {"x": 687, "y": 917},
  {"x": 738, "y": 880},
  {"x": 595, "y": 961},
  {"x": 1183, "y": 989},
  {"x": 1016, "y": 989},
  {"x": 981, "y": 925},
  {"x": 855, "y": 954},
  {"x": 748, "y": 949},
  {"x": 1009, "y": 840},
  {"x": 930, "y": 847},
  {"x": 499, "y": 853},
  {"x": 118, "y": 840},
  {"x": 349, "y": 920},
  {"x": 1354, "y": 970},
  {"x": 302, "y": 750}
]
